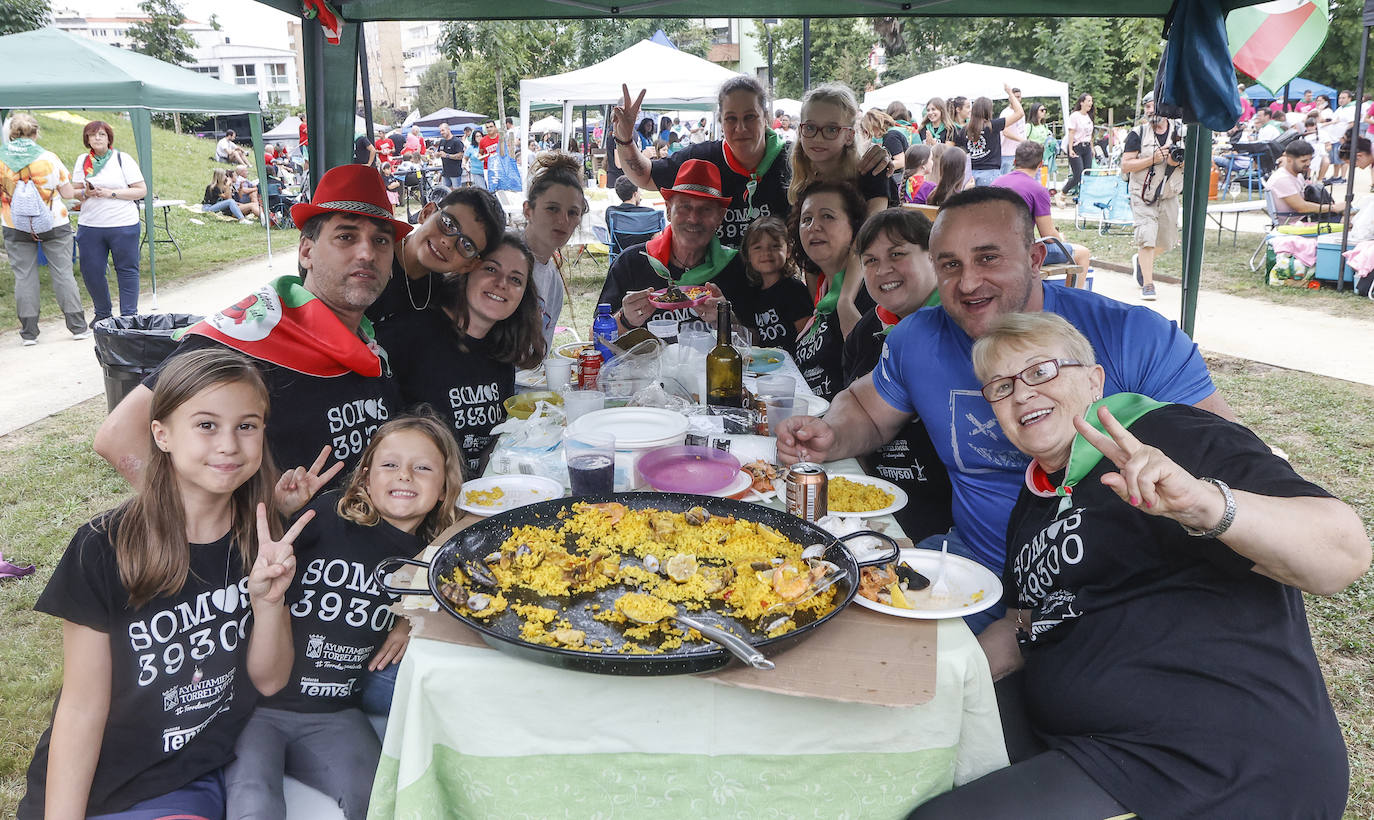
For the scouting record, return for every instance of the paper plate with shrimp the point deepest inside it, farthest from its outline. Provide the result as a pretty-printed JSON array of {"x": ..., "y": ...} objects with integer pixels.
[
  {"x": 675, "y": 298},
  {"x": 903, "y": 588}
]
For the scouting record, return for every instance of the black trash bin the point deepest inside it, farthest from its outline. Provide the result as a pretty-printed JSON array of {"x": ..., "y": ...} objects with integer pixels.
[{"x": 130, "y": 347}]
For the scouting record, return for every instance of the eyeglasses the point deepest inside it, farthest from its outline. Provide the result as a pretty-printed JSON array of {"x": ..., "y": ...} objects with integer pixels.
[
  {"x": 450, "y": 227},
  {"x": 1038, "y": 373},
  {"x": 830, "y": 132}
]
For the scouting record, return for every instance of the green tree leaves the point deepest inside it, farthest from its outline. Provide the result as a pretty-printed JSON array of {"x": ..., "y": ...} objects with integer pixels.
[
  {"x": 160, "y": 35},
  {"x": 24, "y": 15}
]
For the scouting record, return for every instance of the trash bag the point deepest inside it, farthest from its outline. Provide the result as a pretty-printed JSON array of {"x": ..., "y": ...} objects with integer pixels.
[{"x": 131, "y": 347}]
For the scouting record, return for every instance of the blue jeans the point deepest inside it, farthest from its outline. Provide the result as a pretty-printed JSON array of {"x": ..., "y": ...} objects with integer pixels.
[
  {"x": 95, "y": 244},
  {"x": 377, "y": 690},
  {"x": 985, "y": 177},
  {"x": 223, "y": 205},
  {"x": 978, "y": 621},
  {"x": 201, "y": 798},
  {"x": 453, "y": 183},
  {"x": 1007, "y": 160}
]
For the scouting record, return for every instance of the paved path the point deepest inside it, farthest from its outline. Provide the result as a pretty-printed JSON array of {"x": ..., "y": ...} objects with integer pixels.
[{"x": 59, "y": 372}]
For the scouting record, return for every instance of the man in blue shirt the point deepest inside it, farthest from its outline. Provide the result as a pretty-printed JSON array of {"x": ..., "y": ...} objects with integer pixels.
[{"x": 987, "y": 264}]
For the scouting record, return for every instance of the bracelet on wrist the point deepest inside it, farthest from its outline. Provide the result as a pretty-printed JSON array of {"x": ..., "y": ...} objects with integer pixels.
[
  {"x": 619, "y": 141},
  {"x": 1228, "y": 515}
]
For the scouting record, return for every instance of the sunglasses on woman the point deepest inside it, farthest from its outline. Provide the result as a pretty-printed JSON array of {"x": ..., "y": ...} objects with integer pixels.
[
  {"x": 449, "y": 226},
  {"x": 830, "y": 132},
  {"x": 1038, "y": 373}
]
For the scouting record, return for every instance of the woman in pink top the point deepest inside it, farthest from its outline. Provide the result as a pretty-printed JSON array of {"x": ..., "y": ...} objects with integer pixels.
[{"x": 1080, "y": 138}]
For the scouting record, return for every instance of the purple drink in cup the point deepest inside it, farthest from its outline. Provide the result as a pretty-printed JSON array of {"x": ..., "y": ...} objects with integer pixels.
[{"x": 591, "y": 462}]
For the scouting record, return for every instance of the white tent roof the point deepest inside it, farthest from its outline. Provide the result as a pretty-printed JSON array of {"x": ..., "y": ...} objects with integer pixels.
[
  {"x": 546, "y": 125},
  {"x": 288, "y": 132},
  {"x": 672, "y": 77},
  {"x": 789, "y": 106},
  {"x": 969, "y": 79}
]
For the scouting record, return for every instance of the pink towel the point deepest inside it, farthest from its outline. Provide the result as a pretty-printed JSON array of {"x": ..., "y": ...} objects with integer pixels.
[
  {"x": 1361, "y": 257},
  {"x": 1302, "y": 248}
]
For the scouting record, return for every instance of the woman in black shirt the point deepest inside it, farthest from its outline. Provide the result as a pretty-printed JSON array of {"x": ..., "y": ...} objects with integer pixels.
[{"x": 982, "y": 137}]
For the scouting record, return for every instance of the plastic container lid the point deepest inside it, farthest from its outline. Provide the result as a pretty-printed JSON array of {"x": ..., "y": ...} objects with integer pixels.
[{"x": 688, "y": 469}]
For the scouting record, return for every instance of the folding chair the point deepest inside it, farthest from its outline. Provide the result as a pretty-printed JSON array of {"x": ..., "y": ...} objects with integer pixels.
[
  {"x": 1276, "y": 218},
  {"x": 628, "y": 228}
]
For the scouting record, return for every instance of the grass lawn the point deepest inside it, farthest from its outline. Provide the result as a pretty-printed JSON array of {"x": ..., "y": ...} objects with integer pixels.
[{"x": 181, "y": 170}]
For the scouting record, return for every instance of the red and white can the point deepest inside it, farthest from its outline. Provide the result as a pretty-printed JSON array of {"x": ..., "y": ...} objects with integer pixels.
[{"x": 588, "y": 368}]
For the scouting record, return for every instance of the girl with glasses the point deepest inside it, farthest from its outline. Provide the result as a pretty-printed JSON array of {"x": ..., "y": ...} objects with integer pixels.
[{"x": 825, "y": 148}]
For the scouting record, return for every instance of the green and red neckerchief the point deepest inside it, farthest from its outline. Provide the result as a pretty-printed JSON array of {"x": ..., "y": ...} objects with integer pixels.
[
  {"x": 287, "y": 325},
  {"x": 890, "y": 319},
  {"x": 659, "y": 252},
  {"x": 91, "y": 165},
  {"x": 772, "y": 147},
  {"x": 1127, "y": 408}
]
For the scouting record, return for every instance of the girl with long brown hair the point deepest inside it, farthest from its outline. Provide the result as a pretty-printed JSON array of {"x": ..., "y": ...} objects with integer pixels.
[
  {"x": 554, "y": 206},
  {"x": 172, "y": 605},
  {"x": 779, "y": 301},
  {"x": 952, "y": 166}
]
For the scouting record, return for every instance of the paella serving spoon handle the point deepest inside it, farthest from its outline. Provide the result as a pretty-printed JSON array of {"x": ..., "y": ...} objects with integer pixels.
[{"x": 737, "y": 646}]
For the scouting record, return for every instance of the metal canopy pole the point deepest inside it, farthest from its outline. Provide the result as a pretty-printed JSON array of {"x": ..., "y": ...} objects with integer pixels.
[
  {"x": 366, "y": 82},
  {"x": 314, "y": 103},
  {"x": 806, "y": 54},
  {"x": 1197, "y": 166},
  {"x": 1354, "y": 144}
]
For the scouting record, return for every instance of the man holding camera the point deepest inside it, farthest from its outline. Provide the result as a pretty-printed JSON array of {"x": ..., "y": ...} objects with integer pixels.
[{"x": 1152, "y": 162}]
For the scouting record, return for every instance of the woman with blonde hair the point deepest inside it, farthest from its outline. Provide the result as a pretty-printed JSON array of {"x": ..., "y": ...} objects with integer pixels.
[
  {"x": 825, "y": 150},
  {"x": 219, "y": 197},
  {"x": 882, "y": 129},
  {"x": 22, "y": 160}
]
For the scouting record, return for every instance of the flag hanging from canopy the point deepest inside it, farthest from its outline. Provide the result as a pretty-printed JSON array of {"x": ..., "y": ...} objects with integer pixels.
[{"x": 1274, "y": 41}]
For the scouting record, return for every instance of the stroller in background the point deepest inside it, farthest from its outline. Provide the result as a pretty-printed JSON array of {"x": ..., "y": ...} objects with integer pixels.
[
  {"x": 279, "y": 205},
  {"x": 1103, "y": 198}
]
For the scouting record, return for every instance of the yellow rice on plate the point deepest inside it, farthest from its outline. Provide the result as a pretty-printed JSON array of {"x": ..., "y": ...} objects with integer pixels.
[
  {"x": 852, "y": 496},
  {"x": 721, "y": 563}
]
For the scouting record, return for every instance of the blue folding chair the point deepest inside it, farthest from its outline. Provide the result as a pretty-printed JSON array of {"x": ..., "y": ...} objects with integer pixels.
[{"x": 627, "y": 228}]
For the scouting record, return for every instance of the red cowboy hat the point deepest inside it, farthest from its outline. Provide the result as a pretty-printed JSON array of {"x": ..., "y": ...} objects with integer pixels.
[
  {"x": 351, "y": 189},
  {"x": 697, "y": 178}
]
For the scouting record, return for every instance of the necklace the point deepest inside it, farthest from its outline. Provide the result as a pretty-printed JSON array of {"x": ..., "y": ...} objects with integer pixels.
[{"x": 429, "y": 280}]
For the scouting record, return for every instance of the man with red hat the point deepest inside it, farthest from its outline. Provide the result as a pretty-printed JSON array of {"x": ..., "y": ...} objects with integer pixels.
[
  {"x": 686, "y": 252},
  {"x": 328, "y": 379}
]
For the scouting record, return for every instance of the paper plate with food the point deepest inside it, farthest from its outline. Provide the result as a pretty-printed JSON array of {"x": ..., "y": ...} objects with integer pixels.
[
  {"x": 572, "y": 350},
  {"x": 764, "y": 359},
  {"x": 904, "y": 588},
  {"x": 864, "y": 496},
  {"x": 497, "y": 493},
  {"x": 674, "y": 297}
]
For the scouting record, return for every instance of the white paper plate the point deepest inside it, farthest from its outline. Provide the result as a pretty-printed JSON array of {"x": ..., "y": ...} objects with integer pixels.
[
  {"x": 899, "y": 498},
  {"x": 966, "y": 580},
  {"x": 815, "y": 405},
  {"x": 519, "y": 490},
  {"x": 530, "y": 378},
  {"x": 739, "y": 485}
]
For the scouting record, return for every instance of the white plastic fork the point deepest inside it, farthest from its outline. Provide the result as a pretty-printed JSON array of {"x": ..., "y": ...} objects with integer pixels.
[{"x": 939, "y": 589}]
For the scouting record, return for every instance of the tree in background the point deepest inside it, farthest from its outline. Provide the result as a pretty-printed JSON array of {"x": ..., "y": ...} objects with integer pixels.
[
  {"x": 161, "y": 35},
  {"x": 435, "y": 89},
  {"x": 24, "y": 15},
  {"x": 839, "y": 53},
  {"x": 1337, "y": 64}
]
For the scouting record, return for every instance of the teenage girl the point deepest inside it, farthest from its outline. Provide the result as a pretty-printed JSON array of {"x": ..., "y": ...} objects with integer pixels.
[
  {"x": 917, "y": 184},
  {"x": 934, "y": 126},
  {"x": 778, "y": 300},
  {"x": 825, "y": 149},
  {"x": 172, "y": 609},
  {"x": 1079, "y": 136},
  {"x": 460, "y": 356},
  {"x": 401, "y": 495},
  {"x": 554, "y": 207}
]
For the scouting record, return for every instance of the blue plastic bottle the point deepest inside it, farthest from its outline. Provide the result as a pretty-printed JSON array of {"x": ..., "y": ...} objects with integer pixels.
[{"x": 604, "y": 332}]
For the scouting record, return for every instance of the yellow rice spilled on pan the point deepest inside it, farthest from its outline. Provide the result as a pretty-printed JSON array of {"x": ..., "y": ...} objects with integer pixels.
[{"x": 715, "y": 565}]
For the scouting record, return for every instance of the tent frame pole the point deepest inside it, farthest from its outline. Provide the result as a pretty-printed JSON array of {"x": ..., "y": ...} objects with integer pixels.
[
  {"x": 1197, "y": 147},
  {"x": 365, "y": 82},
  {"x": 1354, "y": 141}
]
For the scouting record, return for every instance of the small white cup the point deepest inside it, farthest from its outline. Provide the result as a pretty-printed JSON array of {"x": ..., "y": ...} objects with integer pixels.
[
  {"x": 665, "y": 329},
  {"x": 578, "y": 403},
  {"x": 557, "y": 371},
  {"x": 775, "y": 385}
]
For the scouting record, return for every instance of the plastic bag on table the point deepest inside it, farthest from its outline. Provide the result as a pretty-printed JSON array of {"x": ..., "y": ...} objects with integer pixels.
[
  {"x": 630, "y": 372},
  {"x": 531, "y": 446},
  {"x": 656, "y": 396}
]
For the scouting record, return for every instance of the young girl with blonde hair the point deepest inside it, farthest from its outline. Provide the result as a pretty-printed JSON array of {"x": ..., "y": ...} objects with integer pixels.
[{"x": 825, "y": 150}]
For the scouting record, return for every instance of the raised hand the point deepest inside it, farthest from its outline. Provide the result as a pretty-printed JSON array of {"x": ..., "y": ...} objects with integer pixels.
[
  {"x": 1150, "y": 480},
  {"x": 296, "y": 487},
  {"x": 625, "y": 117},
  {"x": 276, "y": 562}
]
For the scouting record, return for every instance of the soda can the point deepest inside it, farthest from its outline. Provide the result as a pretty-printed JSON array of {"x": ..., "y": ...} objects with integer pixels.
[
  {"x": 588, "y": 368},
  {"x": 806, "y": 486}
]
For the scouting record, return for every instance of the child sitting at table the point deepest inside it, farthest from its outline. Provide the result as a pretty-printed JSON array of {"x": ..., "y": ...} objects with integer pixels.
[
  {"x": 779, "y": 302},
  {"x": 403, "y": 492}
]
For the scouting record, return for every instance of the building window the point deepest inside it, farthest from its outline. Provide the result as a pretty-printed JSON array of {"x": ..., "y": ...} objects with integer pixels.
[
  {"x": 276, "y": 74},
  {"x": 245, "y": 74}
]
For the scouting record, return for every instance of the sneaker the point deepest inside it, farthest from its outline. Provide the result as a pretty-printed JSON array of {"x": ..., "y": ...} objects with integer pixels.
[
  {"x": 1135, "y": 266},
  {"x": 1147, "y": 292},
  {"x": 85, "y": 334},
  {"x": 245, "y": 221},
  {"x": 30, "y": 342}
]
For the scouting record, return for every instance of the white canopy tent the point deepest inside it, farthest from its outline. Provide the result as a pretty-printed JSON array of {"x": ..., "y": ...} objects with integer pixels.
[
  {"x": 789, "y": 106},
  {"x": 287, "y": 131},
  {"x": 971, "y": 80},
  {"x": 674, "y": 79}
]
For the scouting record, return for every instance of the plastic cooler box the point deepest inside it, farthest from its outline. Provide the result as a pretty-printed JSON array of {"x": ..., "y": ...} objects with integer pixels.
[{"x": 1329, "y": 260}]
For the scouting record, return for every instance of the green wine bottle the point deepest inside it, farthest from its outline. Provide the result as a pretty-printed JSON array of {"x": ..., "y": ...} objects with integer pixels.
[{"x": 724, "y": 367}]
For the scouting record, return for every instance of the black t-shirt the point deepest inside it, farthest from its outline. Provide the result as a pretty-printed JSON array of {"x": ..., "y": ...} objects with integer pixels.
[
  {"x": 613, "y": 172},
  {"x": 909, "y": 460},
  {"x": 896, "y": 144},
  {"x": 770, "y": 197},
  {"x": 939, "y": 133},
  {"x": 819, "y": 355},
  {"x": 1183, "y": 682},
  {"x": 453, "y": 166},
  {"x": 339, "y": 615},
  {"x": 984, "y": 152},
  {"x": 455, "y": 375},
  {"x": 179, "y": 687},
  {"x": 631, "y": 271},
  {"x": 1132, "y": 144},
  {"x": 775, "y": 311},
  {"x": 308, "y": 412},
  {"x": 360, "y": 152},
  {"x": 403, "y": 295}
]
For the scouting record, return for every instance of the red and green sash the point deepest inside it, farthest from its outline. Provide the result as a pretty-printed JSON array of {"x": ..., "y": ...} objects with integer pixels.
[
  {"x": 285, "y": 324},
  {"x": 659, "y": 251},
  {"x": 890, "y": 319}
]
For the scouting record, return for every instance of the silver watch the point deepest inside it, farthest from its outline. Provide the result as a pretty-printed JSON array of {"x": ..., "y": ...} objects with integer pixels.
[{"x": 1228, "y": 516}]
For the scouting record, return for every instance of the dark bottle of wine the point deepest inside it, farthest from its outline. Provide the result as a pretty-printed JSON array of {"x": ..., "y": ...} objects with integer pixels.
[{"x": 724, "y": 367}]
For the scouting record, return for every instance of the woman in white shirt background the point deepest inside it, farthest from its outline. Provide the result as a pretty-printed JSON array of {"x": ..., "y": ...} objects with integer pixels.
[
  {"x": 1080, "y": 138},
  {"x": 109, "y": 185}
]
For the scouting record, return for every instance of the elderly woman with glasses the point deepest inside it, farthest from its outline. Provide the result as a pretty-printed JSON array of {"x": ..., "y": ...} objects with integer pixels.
[{"x": 1156, "y": 561}]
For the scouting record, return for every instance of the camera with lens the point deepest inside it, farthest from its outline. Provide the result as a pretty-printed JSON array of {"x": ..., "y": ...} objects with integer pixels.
[{"x": 1176, "y": 153}]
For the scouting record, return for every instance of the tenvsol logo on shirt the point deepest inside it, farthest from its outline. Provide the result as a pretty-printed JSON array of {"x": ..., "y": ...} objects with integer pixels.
[{"x": 251, "y": 318}]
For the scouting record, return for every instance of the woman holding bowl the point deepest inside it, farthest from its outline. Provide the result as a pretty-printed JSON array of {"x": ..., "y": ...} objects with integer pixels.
[{"x": 1156, "y": 560}]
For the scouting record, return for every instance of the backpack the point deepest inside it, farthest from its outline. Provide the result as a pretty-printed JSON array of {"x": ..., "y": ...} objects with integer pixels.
[{"x": 28, "y": 211}]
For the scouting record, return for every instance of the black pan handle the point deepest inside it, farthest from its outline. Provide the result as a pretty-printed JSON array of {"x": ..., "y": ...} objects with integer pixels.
[
  {"x": 885, "y": 558},
  {"x": 391, "y": 564}
]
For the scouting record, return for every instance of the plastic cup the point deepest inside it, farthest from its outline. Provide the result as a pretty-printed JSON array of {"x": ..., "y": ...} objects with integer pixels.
[
  {"x": 779, "y": 409},
  {"x": 775, "y": 385},
  {"x": 557, "y": 371},
  {"x": 591, "y": 462},
  {"x": 578, "y": 403},
  {"x": 665, "y": 329},
  {"x": 699, "y": 340}
]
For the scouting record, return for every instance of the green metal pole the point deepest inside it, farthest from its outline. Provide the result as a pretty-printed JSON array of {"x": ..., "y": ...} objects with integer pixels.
[
  {"x": 142, "y": 122},
  {"x": 1197, "y": 168}
]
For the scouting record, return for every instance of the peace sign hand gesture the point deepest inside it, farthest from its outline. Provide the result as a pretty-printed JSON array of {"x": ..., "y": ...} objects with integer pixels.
[
  {"x": 276, "y": 564},
  {"x": 625, "y": 117},
  {"x": 1151, "y": 480},
  {"x": 296, "y": 487}
]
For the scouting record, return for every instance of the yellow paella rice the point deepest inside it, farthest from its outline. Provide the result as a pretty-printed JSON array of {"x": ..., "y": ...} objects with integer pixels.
[
  {"x": 691, "y": 560},
  {"x": 484, "y": 498},
  {"x": 852, "y": 496}
]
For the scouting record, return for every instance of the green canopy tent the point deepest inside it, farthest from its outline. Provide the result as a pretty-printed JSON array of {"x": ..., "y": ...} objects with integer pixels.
[
  {"x": 330, "y": 101},
  {"x": 64, "y": 71}
]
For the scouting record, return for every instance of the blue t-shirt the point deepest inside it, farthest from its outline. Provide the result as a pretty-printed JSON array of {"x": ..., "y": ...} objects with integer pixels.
[{"x": 926, "y": 368}]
